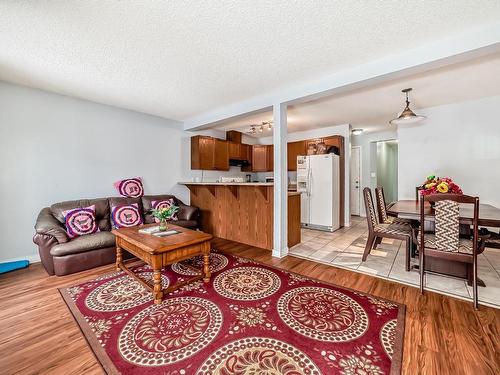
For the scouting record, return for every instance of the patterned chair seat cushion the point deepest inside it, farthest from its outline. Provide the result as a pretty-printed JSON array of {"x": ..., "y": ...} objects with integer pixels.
[
  {"x": 464, "y": 245},
  {"x": 396, "y": 228}
]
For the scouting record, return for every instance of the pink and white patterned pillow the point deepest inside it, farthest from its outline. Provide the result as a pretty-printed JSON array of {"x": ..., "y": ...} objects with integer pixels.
[
  {"x": 165, "y": 204},
  {"x": 126, "y": 216},
  {"x": 130, "y": 187},
  {"x": 80, "y": 221}
]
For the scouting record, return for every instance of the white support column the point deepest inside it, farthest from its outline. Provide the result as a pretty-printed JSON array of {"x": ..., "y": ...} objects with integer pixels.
[{"x": 280, "y": 244}]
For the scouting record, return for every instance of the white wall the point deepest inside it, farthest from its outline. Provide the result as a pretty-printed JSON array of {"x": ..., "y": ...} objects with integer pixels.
[
  {"x": 461, "y": 141},
  {"x": 55, "y": 148},
  {"x": 343, "y": 130}
]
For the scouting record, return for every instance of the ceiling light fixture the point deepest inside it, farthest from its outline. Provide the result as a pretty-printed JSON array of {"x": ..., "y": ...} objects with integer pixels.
[
  {"x": 407, "y": 116},
  {"x": 267, "y": 125},
  {"x": 356, "y": 131}
]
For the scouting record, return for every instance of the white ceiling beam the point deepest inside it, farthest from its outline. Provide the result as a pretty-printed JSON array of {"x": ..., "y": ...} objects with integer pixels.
[{"x": 462, "y": 47}]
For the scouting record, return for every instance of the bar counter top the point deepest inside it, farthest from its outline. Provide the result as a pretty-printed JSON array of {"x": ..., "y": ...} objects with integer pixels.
[
  {"x": 270, "y": 184},
  {"x": 229, "y": 183}
]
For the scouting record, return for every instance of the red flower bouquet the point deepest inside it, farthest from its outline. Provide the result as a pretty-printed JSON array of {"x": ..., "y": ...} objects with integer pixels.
[{"x": 435, "y": 185}]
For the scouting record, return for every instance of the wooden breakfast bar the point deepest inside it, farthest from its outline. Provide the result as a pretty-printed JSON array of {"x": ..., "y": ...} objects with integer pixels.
[{"x": 243, "y": 212}]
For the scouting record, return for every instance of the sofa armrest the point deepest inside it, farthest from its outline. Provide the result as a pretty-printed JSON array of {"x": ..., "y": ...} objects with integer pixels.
[
  {"x": 48, "y": 225},
  {"x": 187, "y": 212}
]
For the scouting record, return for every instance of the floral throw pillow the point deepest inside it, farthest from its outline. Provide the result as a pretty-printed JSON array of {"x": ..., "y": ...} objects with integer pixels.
[
  {"x": 165, "y": 204},
  {"x": 130, "y": 187},
  {"x": 80, "y": 221},
  {"x": 126, "y": 216}
]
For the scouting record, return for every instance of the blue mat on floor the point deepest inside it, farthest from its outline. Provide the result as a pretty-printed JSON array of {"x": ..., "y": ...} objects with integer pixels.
[{"x": 11, "y": 266}]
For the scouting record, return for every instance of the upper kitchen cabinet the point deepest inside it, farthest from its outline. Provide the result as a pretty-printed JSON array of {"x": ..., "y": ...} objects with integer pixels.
[
  {"x": 240, "y": 151},
  {"x": 235, "y": 150},
  {"x": 209, "y": 153},
  {"x": 295, "y": 149},
  {"x": 262, "y": 158}
]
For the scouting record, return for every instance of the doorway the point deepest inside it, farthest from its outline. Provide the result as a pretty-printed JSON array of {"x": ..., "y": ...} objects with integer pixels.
[
  {"x": 387, "y": 168},
  {"x": 355, "y": 181}
]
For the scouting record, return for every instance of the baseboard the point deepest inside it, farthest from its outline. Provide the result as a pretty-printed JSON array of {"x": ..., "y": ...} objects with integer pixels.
[{"x": 33, "y": 258}]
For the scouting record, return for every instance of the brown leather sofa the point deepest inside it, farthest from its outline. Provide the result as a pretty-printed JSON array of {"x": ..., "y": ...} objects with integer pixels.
[{"x": 61, "y": 255}]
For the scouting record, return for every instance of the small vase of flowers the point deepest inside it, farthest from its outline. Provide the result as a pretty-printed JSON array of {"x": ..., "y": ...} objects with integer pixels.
[
  {"x": 163, "y": 214},
  {"x": 440, "y": 185}
]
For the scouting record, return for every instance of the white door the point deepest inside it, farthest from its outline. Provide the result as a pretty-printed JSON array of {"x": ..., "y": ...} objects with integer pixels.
[{"x": 355, "y": 183}]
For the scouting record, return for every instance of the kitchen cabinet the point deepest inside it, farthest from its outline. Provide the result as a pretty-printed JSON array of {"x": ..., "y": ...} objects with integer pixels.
[
  {"x": 221, "y": 155},
  {"x": 295, "y": 149},
  {"x": 208, "y": 153},
  {"x": 262, "y": 158},
  {"x": 270, "y": 158},
  {"x": 240, "y": 151},
  {"x": 234, "y": 136},
  {"x": 246, "y": 152},
  {"x": 234, "y": 150}
]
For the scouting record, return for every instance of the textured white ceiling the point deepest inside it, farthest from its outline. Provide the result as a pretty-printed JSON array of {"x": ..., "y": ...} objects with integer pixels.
[
  {"x": 177, "y": 59},
  {"x": 371, "y": 108}
]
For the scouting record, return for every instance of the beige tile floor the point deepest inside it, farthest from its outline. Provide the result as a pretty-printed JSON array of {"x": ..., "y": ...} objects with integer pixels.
[{"x": 344, "y": 248}]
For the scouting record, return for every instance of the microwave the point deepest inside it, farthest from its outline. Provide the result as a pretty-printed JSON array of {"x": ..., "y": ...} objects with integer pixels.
[{"x": 269, "y": 179}]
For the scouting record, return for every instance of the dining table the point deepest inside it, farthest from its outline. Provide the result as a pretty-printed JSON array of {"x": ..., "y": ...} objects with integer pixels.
[{"x": 489, "y": 216}]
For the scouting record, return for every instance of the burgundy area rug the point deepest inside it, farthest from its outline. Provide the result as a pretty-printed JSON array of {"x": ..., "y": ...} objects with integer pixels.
[{"x": 249, "y": 319}]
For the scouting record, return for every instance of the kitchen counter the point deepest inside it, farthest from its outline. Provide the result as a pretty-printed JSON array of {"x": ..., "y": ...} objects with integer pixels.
[
  {"x": 291, "y": 191},
  {"x": 243, "y": 211},
  {"x": 229, "y": 183}
]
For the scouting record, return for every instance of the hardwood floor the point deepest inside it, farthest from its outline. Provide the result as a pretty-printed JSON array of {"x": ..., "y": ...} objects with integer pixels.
[{"x": 443, "y": 335}]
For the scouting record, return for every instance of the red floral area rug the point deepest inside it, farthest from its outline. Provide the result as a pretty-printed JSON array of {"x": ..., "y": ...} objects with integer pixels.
[{"x": 249, "y": 319}]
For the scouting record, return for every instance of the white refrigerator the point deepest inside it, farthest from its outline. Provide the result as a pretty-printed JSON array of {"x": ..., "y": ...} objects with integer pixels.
[{"x": 318, "y": 181}]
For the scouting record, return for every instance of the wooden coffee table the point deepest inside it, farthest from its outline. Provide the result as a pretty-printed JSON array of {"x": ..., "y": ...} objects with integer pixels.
[{"x": 159, "y": 252}]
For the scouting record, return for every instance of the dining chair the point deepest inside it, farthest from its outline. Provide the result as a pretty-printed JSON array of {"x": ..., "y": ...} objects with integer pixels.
[
  {"x": 385, "y": 218},
  {"x": 417, "y": 192},
  {"x": 397, "y": 230},
  {"x": 493, "y": 240},
  {"x": 445, "y": 242}
]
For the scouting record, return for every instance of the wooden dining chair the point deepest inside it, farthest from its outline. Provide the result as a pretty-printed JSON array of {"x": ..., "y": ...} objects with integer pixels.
[
  {"x": 385, "y": 218},
  {"x": 398, "y": 231},
  {"x": 493, "y": 240},
  {"x": 445, "y": 242},
  {"x": 417, "y": 192}
]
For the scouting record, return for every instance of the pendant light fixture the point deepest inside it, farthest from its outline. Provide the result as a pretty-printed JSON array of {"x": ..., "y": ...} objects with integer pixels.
[{"x": 407, "y": 116}]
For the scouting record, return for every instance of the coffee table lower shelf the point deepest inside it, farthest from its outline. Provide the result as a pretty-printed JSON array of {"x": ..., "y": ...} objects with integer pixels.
[{"x": 160, "y": 260}]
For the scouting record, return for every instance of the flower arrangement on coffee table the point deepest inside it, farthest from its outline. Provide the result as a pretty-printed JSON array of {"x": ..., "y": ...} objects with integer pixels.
[
  {"x": 163, "y": 214},
  {"x": 443, "y": 185}
]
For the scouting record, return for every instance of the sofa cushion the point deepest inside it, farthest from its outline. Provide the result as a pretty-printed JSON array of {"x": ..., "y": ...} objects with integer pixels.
[
  {"x": 80, "y": 221},
  {"x": 165, "y": 204},
  {"x": 127, "y": 215},
  {"x": 123, "y": 201},
  {"x": 84, "y": 243},
  {"x": 130, "y": 187},
  {"x": 147, "y": 204},
  {"x": 101, "y": 210}
]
